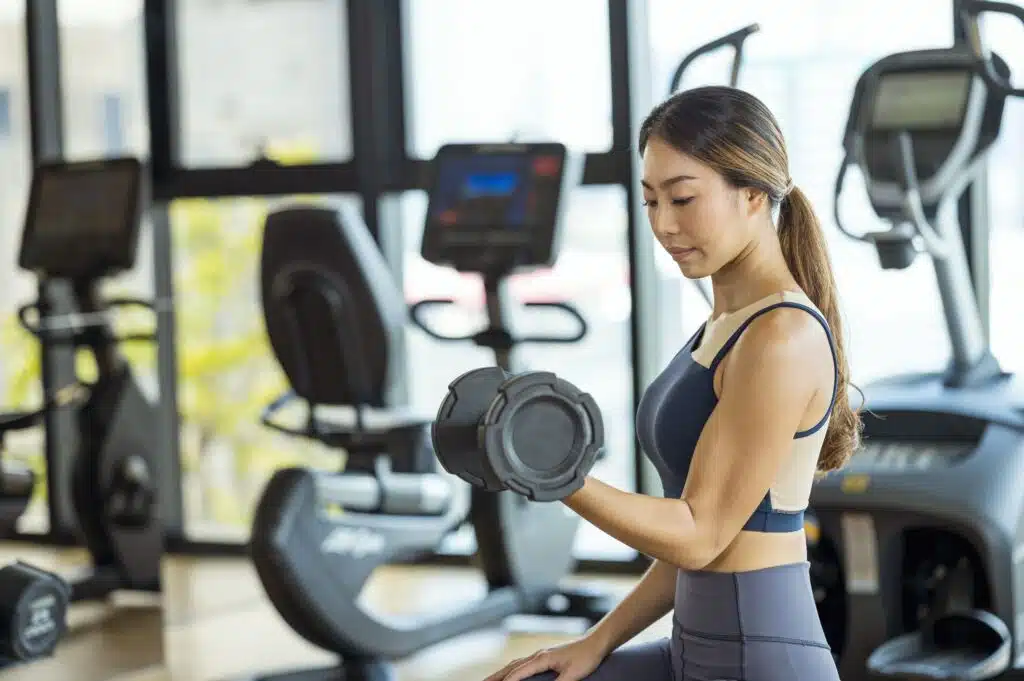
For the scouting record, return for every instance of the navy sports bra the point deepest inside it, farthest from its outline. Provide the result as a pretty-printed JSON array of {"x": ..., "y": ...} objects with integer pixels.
[{"x": 677, "y": 404}]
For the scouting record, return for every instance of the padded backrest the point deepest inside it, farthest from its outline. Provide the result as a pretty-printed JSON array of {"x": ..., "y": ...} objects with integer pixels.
[{"x": 330, "y": 304}]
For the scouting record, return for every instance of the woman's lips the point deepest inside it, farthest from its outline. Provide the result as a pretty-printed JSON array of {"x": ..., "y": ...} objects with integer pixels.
[{"x": 681, "y": 253}]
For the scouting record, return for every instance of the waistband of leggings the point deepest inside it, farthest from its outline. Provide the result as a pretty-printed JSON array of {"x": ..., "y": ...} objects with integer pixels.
[{"x": 775, "y": 604}]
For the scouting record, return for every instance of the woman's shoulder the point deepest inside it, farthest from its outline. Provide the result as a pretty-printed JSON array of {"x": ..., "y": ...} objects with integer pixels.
[{"x": 790, "y": 333}]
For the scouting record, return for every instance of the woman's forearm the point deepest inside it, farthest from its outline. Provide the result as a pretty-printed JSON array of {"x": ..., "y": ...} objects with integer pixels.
[
  {"x": 660, "y": 527},
  {"x": 646, "y": 603}
]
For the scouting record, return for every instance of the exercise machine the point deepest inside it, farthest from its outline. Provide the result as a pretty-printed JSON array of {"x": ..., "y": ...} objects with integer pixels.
[
  {"x": 737, "y": 41},
  {"x": 496, "y": 210},
  {"x": 81, "y": 228},
  {"x": 917, "y": 542},
  {"x": 331, "y": 308}
]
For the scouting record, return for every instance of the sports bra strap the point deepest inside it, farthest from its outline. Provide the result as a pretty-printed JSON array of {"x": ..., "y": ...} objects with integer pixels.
[{"x": 831, "y": 344}]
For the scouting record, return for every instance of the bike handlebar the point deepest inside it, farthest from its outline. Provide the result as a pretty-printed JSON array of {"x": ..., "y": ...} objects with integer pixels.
[
  {"x": 734, "y": 40},
  {"x": 499, "y": 337},
  {"x": 970, "y": 11},
  {"x": 69, "y": 327}
]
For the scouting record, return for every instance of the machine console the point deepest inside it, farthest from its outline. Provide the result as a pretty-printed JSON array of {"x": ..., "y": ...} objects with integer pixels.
[
  {"x": 937, "y": 98},
  {"x": 906, "y": 457},
  {"x": 497, "y": 207},
  {"x": 83, "y": 219}
]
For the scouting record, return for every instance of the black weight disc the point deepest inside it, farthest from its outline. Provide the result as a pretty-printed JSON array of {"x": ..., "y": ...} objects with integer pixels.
[
  {"x": 33, "y": 607},
  {"x": 455, "y": 430},
  {"x": 542, "y": 435}
]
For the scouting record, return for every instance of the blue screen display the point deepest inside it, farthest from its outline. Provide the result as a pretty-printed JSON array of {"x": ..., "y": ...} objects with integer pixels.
[
  {"x": 484, "y": 191},
  {"x": 490, "y": 184}
]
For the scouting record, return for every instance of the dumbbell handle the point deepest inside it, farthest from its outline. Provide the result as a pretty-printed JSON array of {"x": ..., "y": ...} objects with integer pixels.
[{"x": 391, "y": 494}]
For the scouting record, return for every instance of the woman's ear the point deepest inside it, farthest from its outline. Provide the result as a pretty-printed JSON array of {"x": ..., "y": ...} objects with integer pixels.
[{"x": 754, "y": 200}]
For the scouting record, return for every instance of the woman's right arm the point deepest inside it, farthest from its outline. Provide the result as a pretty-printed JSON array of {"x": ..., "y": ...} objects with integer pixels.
[{"x": 650, "y": 600}]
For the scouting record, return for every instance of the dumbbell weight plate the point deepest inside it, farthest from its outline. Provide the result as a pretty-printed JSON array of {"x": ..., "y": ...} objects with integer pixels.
[
  {"x": 541, "y": 435},
  {"x": 455, "y": 430},
  {"x": 33, "y": 609}
]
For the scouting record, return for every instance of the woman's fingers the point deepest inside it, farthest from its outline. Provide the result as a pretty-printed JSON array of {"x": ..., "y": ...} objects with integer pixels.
[
  {"x": 503, "y": 672},
  {"x": 533, "y": 665}
]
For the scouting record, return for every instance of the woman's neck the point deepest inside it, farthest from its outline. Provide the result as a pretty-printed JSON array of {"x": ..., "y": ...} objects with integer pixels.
[{"x": 759, "y": 271}]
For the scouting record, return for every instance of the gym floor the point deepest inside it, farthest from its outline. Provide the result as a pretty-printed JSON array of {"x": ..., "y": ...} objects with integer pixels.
[{"x": 217, "y": 625}]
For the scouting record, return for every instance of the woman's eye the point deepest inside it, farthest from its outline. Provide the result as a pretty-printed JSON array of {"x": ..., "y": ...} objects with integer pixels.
[
  {"x": 681, "y": 202},
  {"x": 650, "y": 203}
]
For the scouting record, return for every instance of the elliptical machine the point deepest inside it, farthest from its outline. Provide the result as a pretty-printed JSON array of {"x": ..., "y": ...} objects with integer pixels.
[
  {"x": 918, "y": 542},
  {"x": 82, "y": 227},
  {"x": 331, "y": 309}
]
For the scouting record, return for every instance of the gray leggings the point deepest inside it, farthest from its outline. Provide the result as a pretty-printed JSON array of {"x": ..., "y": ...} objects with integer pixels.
[{"x": 746, "y": 626}]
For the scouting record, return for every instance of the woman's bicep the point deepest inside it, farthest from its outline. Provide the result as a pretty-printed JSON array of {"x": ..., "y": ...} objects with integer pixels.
[{"x": 766, "y": 389}]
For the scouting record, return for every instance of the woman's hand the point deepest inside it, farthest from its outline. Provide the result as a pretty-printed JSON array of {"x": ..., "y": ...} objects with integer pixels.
[{"x": 572, "y": 661}]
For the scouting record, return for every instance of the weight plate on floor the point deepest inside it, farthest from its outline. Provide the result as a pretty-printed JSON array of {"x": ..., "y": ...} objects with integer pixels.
[
  {"x": 33, "y": 608},
  {"x": 542, "y": 435},
  {"x": 455, "y": 431}
]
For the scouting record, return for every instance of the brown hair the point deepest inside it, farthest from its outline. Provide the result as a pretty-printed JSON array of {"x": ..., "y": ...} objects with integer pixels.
[{"x": 734, "y": 133}]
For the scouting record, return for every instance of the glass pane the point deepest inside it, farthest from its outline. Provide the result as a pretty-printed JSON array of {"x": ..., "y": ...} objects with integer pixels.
[
  {"x": 804, "y": 64},
  {"x": 19, "y": 359},
  {"x": 227, "y": 372},
  {"x": 103, "y": 68},
  {"x": 485, "y": 71},
  {"x": 263, "y": 78},
  {"x": 591, "y": 273},
  {"x": 1006, "y": 202}
]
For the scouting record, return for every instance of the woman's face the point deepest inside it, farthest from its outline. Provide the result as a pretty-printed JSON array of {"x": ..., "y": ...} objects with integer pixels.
[{"x": 703, "y": 222}]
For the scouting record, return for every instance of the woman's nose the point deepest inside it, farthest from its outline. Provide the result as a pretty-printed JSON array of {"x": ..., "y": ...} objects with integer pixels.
[{"x": 665, "y": 223}]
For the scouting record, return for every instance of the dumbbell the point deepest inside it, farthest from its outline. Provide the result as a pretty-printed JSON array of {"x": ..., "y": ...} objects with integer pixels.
[
  {"x": 33, "y": 612},
  {"x": 531, "y": 433}
]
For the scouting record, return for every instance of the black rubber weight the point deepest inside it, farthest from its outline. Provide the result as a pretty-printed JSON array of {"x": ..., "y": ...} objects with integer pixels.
[
  {"x": 33, "y": 611},
  {"x": 541, "y": 436},
  {"x": 455, "y": 430}
]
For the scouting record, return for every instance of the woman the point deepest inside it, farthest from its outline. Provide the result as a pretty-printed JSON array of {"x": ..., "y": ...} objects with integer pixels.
[{"x": 738, "y": 423}]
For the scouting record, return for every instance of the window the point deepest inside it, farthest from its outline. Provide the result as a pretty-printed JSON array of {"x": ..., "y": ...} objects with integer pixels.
[
  {"x": 259, "y": 77},
  {"x": 484, "y": 71},
  {"x": 19, "y": 361},
  {"x": 803, "y": 64},
  {"x": 226, "y": 371},
  {"x": 103, "y": 72},
  {"x": 1006, "y": 204}
]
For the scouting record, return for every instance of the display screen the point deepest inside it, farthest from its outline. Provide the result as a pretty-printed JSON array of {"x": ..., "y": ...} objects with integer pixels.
[
  {"x": 83, "y": 203},
  {"x": 495, "y": 206},
  {"x": 494, "y": 191},
  {"x": 83, "y": 218},
  {"x": 921, "y": 100}
]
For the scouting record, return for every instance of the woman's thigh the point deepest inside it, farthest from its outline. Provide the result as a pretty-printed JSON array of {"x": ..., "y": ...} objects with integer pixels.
[{"x": 639, "y": 662}]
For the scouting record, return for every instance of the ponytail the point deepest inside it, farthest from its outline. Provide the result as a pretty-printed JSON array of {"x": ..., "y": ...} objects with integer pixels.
[{"x": 806, "y": 253}]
